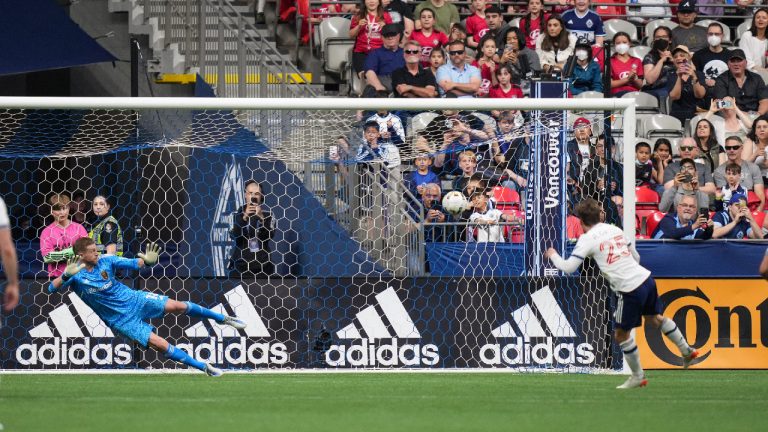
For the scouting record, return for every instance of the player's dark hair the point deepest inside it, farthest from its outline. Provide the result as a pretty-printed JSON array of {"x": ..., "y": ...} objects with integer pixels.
[
  {"x": 588, "y": 210},
  {"x": 82, "y": 244}
]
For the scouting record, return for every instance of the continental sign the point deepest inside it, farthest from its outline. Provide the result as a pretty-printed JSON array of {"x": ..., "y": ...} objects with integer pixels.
[{"x": 726, "y": 319}]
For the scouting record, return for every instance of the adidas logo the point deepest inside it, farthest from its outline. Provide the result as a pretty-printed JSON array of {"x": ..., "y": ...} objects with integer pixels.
[
  {"x": 227, "y": 345},
  {"x": 377, "y": 345},
  {"x": 532, "y": 345},
  {"x": 80, "y": 351}
]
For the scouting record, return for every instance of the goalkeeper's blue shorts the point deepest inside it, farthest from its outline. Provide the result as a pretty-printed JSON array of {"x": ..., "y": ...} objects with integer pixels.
[
  {"x": 133, "y": 327},
  {"x": 631, "y": 306}
]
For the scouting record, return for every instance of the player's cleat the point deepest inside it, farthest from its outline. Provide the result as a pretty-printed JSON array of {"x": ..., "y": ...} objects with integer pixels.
[
  {"x": 213, "y": 371},
  {"x": 688, "y": 359},
  {"x": 634, "y": 382},
  {"x": 235, "y": 322}
]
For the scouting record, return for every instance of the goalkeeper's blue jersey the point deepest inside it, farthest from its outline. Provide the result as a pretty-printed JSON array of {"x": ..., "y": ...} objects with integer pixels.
[{"x": 112, "y": 301}]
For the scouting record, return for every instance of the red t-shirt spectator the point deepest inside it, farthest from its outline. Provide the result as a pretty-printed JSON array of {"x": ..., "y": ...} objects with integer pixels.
[
  {"x": 428, "y": 43},
  {"x": 620, "y": 70},
  {"x": 534, "y": 29},
  {"x": 475, "y": 27},
  {"x": 369, "y": 37},
  {"x": 486, "y": 74},
  {"x": 498, "y": 92}
]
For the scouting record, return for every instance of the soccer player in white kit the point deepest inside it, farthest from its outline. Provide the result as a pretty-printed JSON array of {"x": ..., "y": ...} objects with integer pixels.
[{"x": 619, "y": 262}]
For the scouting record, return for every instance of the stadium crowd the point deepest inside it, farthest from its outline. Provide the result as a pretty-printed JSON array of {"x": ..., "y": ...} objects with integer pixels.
[{"x": 702, "y": 75}]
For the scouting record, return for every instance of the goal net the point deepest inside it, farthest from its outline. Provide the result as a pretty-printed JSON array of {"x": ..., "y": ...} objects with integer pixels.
[{"x": 348, "y": 257}]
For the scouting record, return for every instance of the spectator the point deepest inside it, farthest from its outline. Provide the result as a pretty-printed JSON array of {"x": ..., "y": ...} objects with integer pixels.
[
  {"x": 468, "y": 171},
  {"x": 476, "y": 24},
  {"x": 523, "y": 61},
  {"x": 105, "y": 230},
  {"x": 688, "y": 149},
  {"x": 415, "y": 181},
  {"x": 737, "y": 221},
  {"x": 658, "y": 65},
  {"x": 586, "y": 75},
  {"x": 373, "y": 148},
  {"x": 713, "y": 59},
  {"x": 447, "y": 121},
  {"x": 642, "y": 11},
  {"x": 436, "y": 59},
  {"x": 401, "y": 15},
  {"x": 685, "y": 86},
  {"x": 496, "y": 25},
  {"x": 512, "y": 151},
  {"x": 688, "y": 184},
  {"x": 578, "y": 148},
  {"x": 366, "y": 28},
  {"x": 661, "y": 157},
  {"x": 751, "y": 178},
  {"x": 455, "y": 140},
  {"x": 533, "y": 23},
  {"x": 504, "y": 87},
  {"x": 458, "y": 33},
  {"x": 626, "y": 71},
  {"x": 486, "y": 220},
  {"x": 645, "y": 172},
  {"x": 390, "y": 127},
  {"x": 686, "y": 223},
  {"x": 434, "y": 213},
  {"x": 458, "y": 79},
  {"x": 746, "y": 87},
  {"x": 759, "y": 138},
  {"x": 596, "y": 171},
  {"x": 754, "y": 42},
  {"x": 556, "y": 45},
  {"x": 737, "y": 122},
  {"x": 584, "y": 24},
  {"x": 252, "y": 230},
  {"x": 687, "y": 32},
  {"x": 411, "y": 80},
  {"x": 9, "y": 260},
  {"x": 428, "y": 38},
  {"x": 57, "y": 239},
  {"x": 485, "y": 62},
  {"x": 381, "y": 62},
  {"x": 710, "y": 151},
  {"x": 732, "y": 187},
  {"x": 446, "y": 13}
]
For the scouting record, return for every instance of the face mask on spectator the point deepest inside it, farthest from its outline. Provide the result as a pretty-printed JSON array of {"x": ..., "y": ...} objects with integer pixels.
[
  {"x": 581, "y": 55},
  {"x": 622, "y": 48},
  {"x": 660, "y": 44},
  {"x": 713, "y": 40}
]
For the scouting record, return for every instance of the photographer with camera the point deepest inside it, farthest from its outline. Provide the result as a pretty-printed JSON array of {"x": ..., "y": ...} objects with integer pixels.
[
  {"x": 252, "y": 230},
  {"x": 737, "y": 221},
  {"x": 689, "y": 222},
  {"x": 686, "y": 182}
]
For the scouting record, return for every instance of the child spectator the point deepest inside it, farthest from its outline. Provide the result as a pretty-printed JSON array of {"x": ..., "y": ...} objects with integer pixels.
[
  {"x": 645, "y": 173},
  {"x": 584, "y": 23},
  {"x": 485, "y": 220},
  {"x": 487, "y": 66},
  {"x": 372, "y": 148},
  {"x": 468, "y": 167},
  {"x": 429, "y": 38},
  {"x": 475, "y": 24},
  {"x": 731, "y": 188},
  {"x": 586, "y": 75},
  {"x": 446, "y": 13},
  {"x": 415, "y": 181},
  {"x": 626, "y": 71},
  {"x": 737, "y": 221},
  {"x": 436, "y": 59},
  {"x": 390, "y": 126},
  {"x": 504, "y": 87},
  {"x": 533, "y": 23},
  {"x": 366, "y": 28}
]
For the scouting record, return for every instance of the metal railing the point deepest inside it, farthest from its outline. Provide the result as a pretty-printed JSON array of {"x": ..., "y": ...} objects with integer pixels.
[{"x": 230, "y": 53}]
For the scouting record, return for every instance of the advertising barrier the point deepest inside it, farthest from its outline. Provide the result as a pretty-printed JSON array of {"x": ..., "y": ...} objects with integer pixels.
[
  {"x": 727, "y": 319},
  {"x": 521, "y": 323}
]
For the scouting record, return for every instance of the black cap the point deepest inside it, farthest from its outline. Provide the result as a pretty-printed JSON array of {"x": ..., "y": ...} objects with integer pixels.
[
  {"x": 583, "y": 43},
  {"x": 493, "y": 9},
  {"x": 687, "y": 6},
  {"x": 390, "y": 30},
  {"x": 737, "y": 53}
]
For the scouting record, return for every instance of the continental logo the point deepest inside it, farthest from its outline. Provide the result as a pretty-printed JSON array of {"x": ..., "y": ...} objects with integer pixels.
[{"x": 727, "y": 319}]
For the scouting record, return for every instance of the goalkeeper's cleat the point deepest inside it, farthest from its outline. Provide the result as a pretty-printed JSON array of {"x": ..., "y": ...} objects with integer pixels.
[
  {"x": 688, "y": 359},
  {"x": 634, "y": 382},
  {"x": 235, "y": 322},
  {"x": 213, "y": 371}
]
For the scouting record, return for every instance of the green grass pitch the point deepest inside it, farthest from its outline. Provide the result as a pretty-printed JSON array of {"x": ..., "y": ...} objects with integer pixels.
[{"x": 674, "y": 400}]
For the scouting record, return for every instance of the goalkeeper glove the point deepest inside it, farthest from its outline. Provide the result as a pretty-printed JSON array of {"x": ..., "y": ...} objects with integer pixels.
[
  {"x": 53, "y": 257},
  {"x": 151, "y": 255},
  {"x": 73, "y": 267},
  {"x": 67, "y": 253}
]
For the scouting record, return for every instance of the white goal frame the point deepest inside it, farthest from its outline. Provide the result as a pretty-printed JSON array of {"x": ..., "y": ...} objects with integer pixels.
[{"x": 626, "y": 106}]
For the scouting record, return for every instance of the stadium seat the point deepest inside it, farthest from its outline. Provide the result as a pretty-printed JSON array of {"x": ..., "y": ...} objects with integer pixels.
[
  {"x": 661, "y": 125},
  {"x": 652, "y": 221},
  {"x": 589, "y": 95},
  {"x": 334, "y": 27},
  {"x": 717, "y": 121},
  {"x": 753, "y": 201},
  {"x": 647, "y": 198},
  {"x": 763, "y": 74},
  {"x": 639, "y": 51},
  {"x": 653, "y": 25},
  {"x": 759, "y": 217},
  {"x": 644, "y": 102},
  {"x": 726, "y": 30},
  {"x": 335, "y": 43},
  {"x": 741, "y": 29},
  {"x": 675, "y": 146},
  {"x": 506, "y": 198},
  {"x": 613, "y": 26},
  {"x": 514, "y": 233},
  {"x": 420, "y": 121}
]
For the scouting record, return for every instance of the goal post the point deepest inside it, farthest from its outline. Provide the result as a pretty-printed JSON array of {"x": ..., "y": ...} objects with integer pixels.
[{"x": 353, "y": 280}]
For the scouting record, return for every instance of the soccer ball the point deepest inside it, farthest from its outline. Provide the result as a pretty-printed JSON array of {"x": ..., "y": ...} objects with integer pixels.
[{"x": 455, "y": 202}]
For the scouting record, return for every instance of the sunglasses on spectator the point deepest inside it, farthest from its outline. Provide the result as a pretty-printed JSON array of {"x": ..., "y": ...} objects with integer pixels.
[
  {"x": 732, "y": 147},
  {"x": 459, "y": 52},
  {"x": 686, "y": 148},
  {"x": 412, "y": 51}
]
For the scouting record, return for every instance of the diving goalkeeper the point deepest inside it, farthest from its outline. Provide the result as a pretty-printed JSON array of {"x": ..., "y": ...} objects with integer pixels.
[{"x": 92, "y": 278}]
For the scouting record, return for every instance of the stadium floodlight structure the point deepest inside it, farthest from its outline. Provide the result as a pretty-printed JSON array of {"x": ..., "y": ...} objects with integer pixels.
[{"x": 175, "y": 168}]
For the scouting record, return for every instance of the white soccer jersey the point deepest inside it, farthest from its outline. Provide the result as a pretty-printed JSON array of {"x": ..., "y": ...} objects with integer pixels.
[
  {"x": 611, "y": 250},
  {"x": 4, "y": 221},
  {"x": 487, "y": 233}
]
